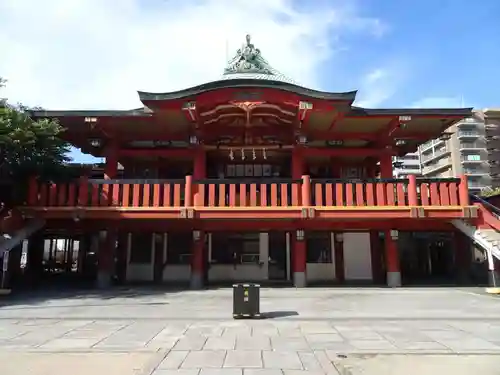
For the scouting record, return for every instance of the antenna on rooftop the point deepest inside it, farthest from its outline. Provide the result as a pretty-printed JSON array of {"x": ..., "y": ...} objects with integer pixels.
[
  {"x": 227, "y": 50},
  {"x": 462, "y": 102}
]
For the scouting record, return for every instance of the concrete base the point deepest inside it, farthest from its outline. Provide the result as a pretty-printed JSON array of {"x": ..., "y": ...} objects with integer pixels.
[
  {"x": 495, "y": 290},
  {"x": 393, "y": 279},
  {"x": 493, "y": 279},
  {"x": 299, "y": 279},
  {"x": 103, "y": 279},
  {"x": 196, "y": 280}
]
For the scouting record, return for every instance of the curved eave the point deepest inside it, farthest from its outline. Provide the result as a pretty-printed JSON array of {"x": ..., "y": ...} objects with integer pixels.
[
  {"x": 444, "y": 112},
  {"x": 140, "y": 112},
  {"x": 247, "y": 83}
]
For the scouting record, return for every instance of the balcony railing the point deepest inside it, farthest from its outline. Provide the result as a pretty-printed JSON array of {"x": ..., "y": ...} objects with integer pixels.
[{"x": 245, "y": 193}]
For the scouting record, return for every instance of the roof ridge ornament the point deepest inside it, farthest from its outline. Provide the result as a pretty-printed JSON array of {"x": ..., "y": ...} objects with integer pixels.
[{"x": 248, "y": 59}]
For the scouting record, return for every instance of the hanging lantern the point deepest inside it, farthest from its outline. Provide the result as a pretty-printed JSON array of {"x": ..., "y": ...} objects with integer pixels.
[
  {"x": 231, "y": 154},
  {"x": 242, "y": 154}
]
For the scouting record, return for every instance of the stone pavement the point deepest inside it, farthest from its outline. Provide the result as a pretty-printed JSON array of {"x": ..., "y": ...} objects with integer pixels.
[{"x": 314, "y": 331}]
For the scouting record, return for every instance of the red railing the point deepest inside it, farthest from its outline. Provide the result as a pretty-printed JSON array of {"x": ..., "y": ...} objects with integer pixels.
[
  {"x": 388, "y": 192},
  {"x": 250, "y": 193}
]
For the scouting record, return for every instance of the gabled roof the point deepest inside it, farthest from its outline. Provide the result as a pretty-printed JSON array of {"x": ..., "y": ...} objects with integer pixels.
[{"x": 248, "y": 69}]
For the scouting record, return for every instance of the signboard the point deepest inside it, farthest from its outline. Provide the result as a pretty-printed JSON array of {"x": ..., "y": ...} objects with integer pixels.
[
  {"x": 24, "y": 254},
  {"x": 5, "y": 261}
]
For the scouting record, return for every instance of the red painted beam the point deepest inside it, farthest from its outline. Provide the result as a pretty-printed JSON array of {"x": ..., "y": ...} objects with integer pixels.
[
  {"x": 346, "y": 152},
  {"x": 173, "y": 152},
  {"x": 426, "y": 225}
]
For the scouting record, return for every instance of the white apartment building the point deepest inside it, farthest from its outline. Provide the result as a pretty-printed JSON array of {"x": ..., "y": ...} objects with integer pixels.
[
  {"x": 406, "y": 165},
  {"x": 465, "y": 152}
]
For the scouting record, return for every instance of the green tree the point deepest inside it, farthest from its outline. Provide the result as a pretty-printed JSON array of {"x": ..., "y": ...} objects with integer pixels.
[
  {"x": 28, "y": 148},
  {"x": 489, "y": 192}
]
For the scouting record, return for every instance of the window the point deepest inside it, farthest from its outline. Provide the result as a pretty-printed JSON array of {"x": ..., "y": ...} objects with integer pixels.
[
  {"x": 319, "y": 247},
  {"x": 237, "y": 248},
  {"x": 473, "y": 157},
  {"x": 179, "y": 247},
  {"x": 141, "y": 248}
]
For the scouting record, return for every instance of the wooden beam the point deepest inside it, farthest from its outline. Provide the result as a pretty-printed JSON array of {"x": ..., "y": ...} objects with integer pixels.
[
  {"x": 338, "y": 117},
  {"x": 170, "y": 152},
  {"x": 345, "y": 151},
  {"x": 384, "y": 136}
]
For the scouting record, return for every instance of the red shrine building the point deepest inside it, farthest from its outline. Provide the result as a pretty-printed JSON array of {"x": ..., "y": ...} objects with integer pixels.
[{"x": 248, "y": 178}]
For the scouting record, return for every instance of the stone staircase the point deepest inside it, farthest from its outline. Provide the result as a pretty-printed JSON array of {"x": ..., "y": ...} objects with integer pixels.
[{"x": 488, "y": 239}]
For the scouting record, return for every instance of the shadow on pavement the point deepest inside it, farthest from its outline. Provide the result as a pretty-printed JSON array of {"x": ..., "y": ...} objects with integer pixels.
[{"x": 278, "y": 314}]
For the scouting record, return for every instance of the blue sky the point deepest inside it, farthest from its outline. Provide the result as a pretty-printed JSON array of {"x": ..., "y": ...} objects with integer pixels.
[
  {"x": 446, "y": 49},
  {"x": 90, "y": 54}
]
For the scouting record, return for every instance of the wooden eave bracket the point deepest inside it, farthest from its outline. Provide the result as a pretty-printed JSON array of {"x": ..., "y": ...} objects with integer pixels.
[
  {"x": 187, "y": 213},
  {"x": 417, "y": 212},
  {"x": 470, "y": 212},
  {"x": 304, "y": 213}
]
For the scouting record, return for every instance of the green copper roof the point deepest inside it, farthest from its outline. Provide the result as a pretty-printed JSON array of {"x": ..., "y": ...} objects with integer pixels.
[
  {"x": 248, "y": 63},
  {"x": 248, "y": 69}
]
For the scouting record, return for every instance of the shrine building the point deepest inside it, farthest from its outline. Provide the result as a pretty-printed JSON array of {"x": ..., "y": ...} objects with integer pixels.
[{"x": 250, "y": 178}]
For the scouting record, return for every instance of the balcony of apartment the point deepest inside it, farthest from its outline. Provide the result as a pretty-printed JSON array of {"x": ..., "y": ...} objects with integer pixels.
[
  {"x": 263, "y": 199},
  {"x": 469, "y": 122},
  {"x": 475, "y": 171},
  {"x": 428, "y": 157},
  {"x": 472, "y": 146},
  {"x": 432, "y": 143},
  {"x": 468, "y": 134},
  {"x": 477, "y": 185},
  {"x": 436, "y": 165}
]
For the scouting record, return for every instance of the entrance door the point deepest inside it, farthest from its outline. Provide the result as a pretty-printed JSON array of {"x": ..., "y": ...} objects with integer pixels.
[{"x": 277, "y": 256}]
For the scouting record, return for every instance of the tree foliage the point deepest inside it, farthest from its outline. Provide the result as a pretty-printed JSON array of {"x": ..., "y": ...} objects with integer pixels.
[
  {"x": 489, "y": 192},
  {"x": 29, "y": 147}
]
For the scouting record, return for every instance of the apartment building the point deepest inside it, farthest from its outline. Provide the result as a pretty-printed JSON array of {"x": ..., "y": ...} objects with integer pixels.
[
  {"x": 492, "y": 129},
  {"x": 407, "y": 164},
  {"x": 465, "y": 149}
]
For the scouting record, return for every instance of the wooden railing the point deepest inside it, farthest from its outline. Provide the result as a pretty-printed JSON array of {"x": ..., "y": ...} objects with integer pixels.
[{"x": 227, "y": 193}]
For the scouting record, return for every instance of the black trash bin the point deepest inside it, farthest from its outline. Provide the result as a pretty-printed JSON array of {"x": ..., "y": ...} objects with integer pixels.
[{"x": 246, "y": 301}]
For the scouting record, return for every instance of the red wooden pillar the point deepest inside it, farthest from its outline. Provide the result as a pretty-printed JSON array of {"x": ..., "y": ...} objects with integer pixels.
[
  {"x": 199, "y": 173},
  {"x": 198, "y": 260},
  {"x": 299, "y": 248},
  {"x": 463, "y": 191},
  {"x": 386, "y": 166},
  {"x": 297, "y": 164},
  {"x": 106, "y": 257},
  {"x": 338, "y": 239},
  {"x": 111, "y": 167},
  {"x": 392, "y": 261}
]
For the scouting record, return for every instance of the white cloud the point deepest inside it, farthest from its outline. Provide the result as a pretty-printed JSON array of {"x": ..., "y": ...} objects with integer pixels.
[
  {"x": 439, "y": 102},
  {"x": 95, "y": 54},
  {"x": 380, "y": 84}
]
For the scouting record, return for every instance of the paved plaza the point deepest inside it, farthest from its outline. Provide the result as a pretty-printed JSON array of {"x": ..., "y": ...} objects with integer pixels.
[{"x": 313, "y": 331}]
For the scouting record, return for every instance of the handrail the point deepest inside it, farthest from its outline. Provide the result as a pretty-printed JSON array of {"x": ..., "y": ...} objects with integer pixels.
[
  {"x": 492, "y": 208},
  {"x": 106, "y": 181},
  {"x": 251, "y": 192}
]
